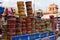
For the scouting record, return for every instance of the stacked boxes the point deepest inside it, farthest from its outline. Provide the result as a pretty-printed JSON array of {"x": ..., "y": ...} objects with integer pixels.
[
  {"x": 21, "y": 9},
  {"x": 24, "y": 27},
  {"x": 47, "y": 24},
  {"x": 33, "y": 25},
  {"x": 4, "y": 32},
  {"x": 21, "y": 26},
  {"x": 44, "y": 27},
  {"x": 42, "y": 24},
  {"x": 11, "y": 22},
  {"x": 29, "y": 18},
  {"x": 29, "y": 9},
  {"x": 38, "y": 25},
  {"x": 18, "y": 26},
  {"x": 29, "y": 25}
]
